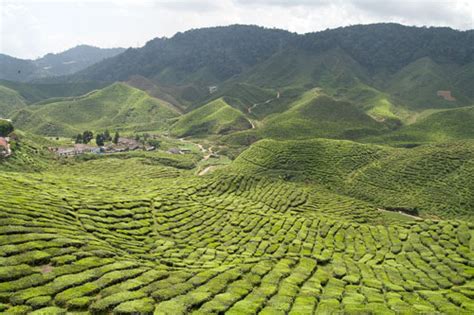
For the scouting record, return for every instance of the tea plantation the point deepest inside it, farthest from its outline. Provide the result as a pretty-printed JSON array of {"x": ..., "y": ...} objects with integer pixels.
[{"x": 128, "y": 236}]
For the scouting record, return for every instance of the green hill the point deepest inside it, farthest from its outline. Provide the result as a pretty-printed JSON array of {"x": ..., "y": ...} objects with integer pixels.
[
  {"x": 433, "y": 126},
  {"x": 118, "y": 106},
  {"x": 217, "y": 117},
  {"x": 10, "y": 101},
  {"x": 434, "y": 179},
  {"x": 417, "y": 84},
  {"x": 314, "y": 115},
  {"x": 321, "y": 116},
  {"x": 36, "y": 92}
]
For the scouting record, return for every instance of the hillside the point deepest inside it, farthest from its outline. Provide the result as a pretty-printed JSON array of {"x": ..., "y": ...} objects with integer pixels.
[
  {"x": 36, "y": 92},
  {"x": 430, "y": 180},
  {"x": 314, "y": 115},
  {"x": 64, "y": 63},
  {"x": 10, "y": 101},
  {"x": 117, "y": 107},
  {"x": 217, "y": 117},
  {"x": 433, "y": 126},
  {"x": 386, "y": 58},
  {"x": 202, "y": 56},
  {"x": 165, "y": 241}
]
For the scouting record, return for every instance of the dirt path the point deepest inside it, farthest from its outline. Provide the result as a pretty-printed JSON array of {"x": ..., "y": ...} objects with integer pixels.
[
  {"x": 251, "y": 123},
  {"x": 249, "y": 109},
  {"x": 206, "y": 170},
  {"x": 402, "y": 213}
]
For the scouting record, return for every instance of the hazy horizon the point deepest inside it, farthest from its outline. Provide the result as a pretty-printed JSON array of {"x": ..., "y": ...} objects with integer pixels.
[{"x": 57, "y": 25}]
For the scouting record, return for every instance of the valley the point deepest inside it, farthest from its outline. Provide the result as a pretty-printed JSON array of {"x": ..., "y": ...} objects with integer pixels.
[{"x": 244, "y": 170}]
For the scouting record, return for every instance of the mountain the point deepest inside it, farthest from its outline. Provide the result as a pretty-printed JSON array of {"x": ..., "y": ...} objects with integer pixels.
[
  {"x": 192, "y": 61},
  {"x": 117, "y": 107},
  {"x": 64, "y": 63},
  {"x": 382, "y": 56}
]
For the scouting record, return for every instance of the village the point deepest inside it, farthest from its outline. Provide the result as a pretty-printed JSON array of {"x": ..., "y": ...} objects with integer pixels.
[{"x": 120, "y": 145}]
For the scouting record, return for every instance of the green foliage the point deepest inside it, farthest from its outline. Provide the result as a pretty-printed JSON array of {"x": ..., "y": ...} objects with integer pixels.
[
  {"x": 6, "y": 128},
  {"x": 87, "y": 136}
]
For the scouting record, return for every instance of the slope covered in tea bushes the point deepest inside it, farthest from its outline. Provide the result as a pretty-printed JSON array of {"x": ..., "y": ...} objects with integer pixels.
[
  {"x": 432, "y": 180},
  {"x": 127, "y": 236}
]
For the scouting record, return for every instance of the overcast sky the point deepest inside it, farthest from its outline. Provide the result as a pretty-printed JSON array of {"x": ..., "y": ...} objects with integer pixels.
[{"x": 32, "y": 28}]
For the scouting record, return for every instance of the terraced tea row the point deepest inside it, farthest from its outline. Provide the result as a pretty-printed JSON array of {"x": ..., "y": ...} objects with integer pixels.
[
  {"x": 165, "y": 241},
  {"x": 434, "y": 180}
]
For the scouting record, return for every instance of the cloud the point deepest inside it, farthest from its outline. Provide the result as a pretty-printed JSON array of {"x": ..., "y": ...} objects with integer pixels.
[
  {"x": 458, "y": 14},
  {"x": 285, "y": 3}
]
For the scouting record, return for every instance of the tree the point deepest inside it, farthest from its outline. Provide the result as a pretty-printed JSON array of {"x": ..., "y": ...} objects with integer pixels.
[
  {"x": 78, "y": 138},
  {"x": 87, "y": 136},
  {"x": 116, "y": 137},
  {"x": 107, "y": 136},
  {"x": 99, "y": 140},
  {"x": 6, "y": 128}
]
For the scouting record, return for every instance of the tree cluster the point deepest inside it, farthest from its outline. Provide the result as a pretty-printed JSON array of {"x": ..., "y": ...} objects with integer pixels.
[
  {"x": 6, "y": 128},
  {"x": 100, "y": 138}
]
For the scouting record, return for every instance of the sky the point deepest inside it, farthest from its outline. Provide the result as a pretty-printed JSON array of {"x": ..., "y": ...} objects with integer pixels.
[{"x": 32, "y": 28}]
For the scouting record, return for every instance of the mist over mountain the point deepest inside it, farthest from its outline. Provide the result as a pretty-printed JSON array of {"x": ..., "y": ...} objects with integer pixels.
[{"x": 64, "y": 63}]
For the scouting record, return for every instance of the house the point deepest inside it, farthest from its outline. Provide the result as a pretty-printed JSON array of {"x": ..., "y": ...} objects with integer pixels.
[
  {"x": 150, "y": 148},
  {"x": 131, "y": 144},
  {"x": 174, "y": 151},
  {"x": 212, "y": 89},
  {"x": 5, "y": 146},
  {"x": 446, "y": 95},
  {"x": 65, "y": 152}
]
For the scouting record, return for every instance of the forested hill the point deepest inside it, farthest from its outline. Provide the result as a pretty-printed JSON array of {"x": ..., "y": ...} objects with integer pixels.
[
  {"x": 392, "y": 46},
  {"x": 214, "y": 54},
  {"x": 208, "y": 54}
]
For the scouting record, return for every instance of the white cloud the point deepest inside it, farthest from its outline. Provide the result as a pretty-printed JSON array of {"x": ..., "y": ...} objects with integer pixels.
[{"x": 30, "y": 28}]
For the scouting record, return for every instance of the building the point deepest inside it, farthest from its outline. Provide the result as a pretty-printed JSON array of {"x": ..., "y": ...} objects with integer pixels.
[
  {"x": 212, "y": 89},
  {"x": 131, "y": 144},
  {"x": 174, "y": 151},
  {"x": 5, "y": 147},
  {"x": 446, "y": 95}
]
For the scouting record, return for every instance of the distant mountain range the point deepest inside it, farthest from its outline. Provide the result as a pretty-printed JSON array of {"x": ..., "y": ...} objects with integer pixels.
[{"x": 64, "y": 63}]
